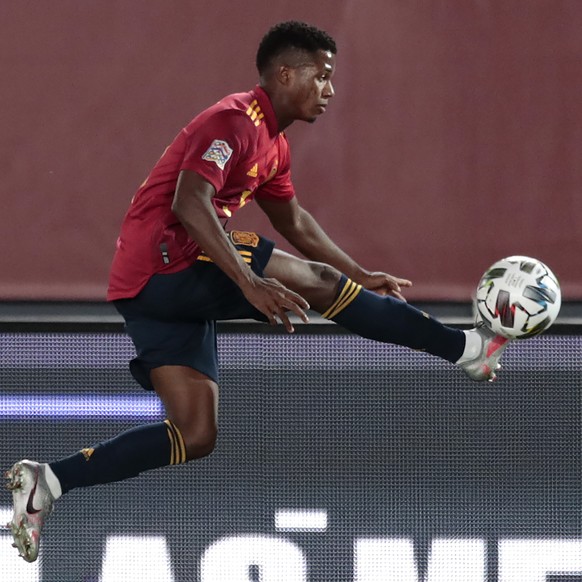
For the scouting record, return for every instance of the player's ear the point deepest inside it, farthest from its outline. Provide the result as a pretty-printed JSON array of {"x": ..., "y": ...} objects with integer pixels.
[{"x": 284, "y": 74}]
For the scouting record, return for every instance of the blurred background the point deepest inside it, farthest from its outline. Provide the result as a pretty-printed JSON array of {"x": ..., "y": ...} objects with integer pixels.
[{"x": 454, "y": 139}]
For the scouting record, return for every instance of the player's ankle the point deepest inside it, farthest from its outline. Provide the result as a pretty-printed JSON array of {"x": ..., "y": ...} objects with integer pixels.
[
  {"x": 473, "y": 346},
  {"x": 52, "y": 481}
]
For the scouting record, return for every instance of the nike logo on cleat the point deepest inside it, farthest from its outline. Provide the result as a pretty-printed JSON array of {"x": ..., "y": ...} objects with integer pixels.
[{"x": 29, "y": 505}]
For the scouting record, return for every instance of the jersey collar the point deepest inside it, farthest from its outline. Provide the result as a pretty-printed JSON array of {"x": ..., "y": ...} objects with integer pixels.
[{"x": 267, "y": 108}]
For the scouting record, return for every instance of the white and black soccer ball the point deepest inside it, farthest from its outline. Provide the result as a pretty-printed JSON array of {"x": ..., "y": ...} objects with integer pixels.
[{"x": 518, "y": 297}]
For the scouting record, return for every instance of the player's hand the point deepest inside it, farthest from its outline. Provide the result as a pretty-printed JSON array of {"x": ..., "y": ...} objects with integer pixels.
[
  {"x": 384, "y": 284},
  {"x": 274, "y": 300}
]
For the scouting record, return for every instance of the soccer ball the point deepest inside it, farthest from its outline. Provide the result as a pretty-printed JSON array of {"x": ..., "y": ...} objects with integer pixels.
[{"x": 518, "y": 297}]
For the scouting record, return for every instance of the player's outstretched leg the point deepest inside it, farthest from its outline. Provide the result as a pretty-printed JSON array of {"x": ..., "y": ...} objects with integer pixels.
[
  {"x": 386, "y": 319},
  {"x": 33, "y": 502},
  {"x": 383, "y": 318}
]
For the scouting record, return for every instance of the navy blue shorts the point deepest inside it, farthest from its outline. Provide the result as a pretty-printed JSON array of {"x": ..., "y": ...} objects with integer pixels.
[{"x": 172, "y": 321}]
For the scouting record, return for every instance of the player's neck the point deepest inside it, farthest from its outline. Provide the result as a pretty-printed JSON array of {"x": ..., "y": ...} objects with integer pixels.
[{"x": 280, "y": 104}]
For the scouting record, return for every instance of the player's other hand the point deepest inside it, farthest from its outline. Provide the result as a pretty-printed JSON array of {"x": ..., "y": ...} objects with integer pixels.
[
  {"x": 384, "y": 284},
  {"x": 275, "y": 301}
]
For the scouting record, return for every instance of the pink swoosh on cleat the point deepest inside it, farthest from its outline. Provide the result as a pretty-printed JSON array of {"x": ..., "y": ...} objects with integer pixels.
[{"x": 495, "y": 344}]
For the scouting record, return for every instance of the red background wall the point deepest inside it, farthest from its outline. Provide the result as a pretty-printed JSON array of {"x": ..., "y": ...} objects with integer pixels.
[{"x": 455, "y": 137}]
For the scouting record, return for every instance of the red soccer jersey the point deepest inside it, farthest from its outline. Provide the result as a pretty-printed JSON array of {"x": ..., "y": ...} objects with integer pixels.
[{"x": 237, "y": 147}]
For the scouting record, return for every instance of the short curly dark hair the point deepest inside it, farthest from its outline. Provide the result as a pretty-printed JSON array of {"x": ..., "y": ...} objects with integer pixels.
[{"x": 292, "y": 34}]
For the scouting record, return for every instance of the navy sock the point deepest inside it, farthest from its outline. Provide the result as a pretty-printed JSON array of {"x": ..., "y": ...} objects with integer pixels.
[
  {"x": 127, "y": 455},
  {"x": 390, "y": 320}
]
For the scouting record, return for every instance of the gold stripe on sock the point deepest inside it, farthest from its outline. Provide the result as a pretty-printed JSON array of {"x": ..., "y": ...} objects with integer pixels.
[
  {"x": 347, "y": 294},
  {"x": 347, "y": 286},
  {"x": 181, "y": 445},
  {"x": 180, "y": 456},
  {"x": 351, "y": 295},
  {"x": 172, "y": 438}
]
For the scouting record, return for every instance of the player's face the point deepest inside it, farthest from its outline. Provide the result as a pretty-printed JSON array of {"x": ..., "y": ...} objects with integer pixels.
[{"x": 311, "y": 88}]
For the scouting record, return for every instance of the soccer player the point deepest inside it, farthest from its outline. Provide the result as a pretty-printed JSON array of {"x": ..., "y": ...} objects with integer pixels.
[{"x": 177, "y": 270}]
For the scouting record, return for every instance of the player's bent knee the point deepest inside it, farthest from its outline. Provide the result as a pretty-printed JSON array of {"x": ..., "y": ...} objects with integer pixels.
[
  {"x": 191, "y": 402},
  {"x": 328, "y": 275},
  {"x": 199, "y": 442},
  {"x": 325, "y": 283}
]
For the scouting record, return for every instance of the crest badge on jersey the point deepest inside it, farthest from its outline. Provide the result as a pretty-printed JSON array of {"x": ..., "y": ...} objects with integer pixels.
[
  {"x": 249, "y": 239},
  {"x": 219, "y": 152}
]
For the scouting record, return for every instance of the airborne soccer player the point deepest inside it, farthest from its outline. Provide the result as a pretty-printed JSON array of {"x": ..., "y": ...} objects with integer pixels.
[{"x": 177, "y": 270}]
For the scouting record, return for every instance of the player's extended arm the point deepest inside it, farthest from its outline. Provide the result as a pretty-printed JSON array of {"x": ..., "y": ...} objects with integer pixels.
[
  {"x": 302, "y": 230},
  {"x": 192, "y": 205}
]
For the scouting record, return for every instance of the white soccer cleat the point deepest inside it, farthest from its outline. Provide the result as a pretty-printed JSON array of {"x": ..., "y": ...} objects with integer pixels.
[
  {"x": 33, "y": 503},
  {"x": 484, "y": 366}
]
